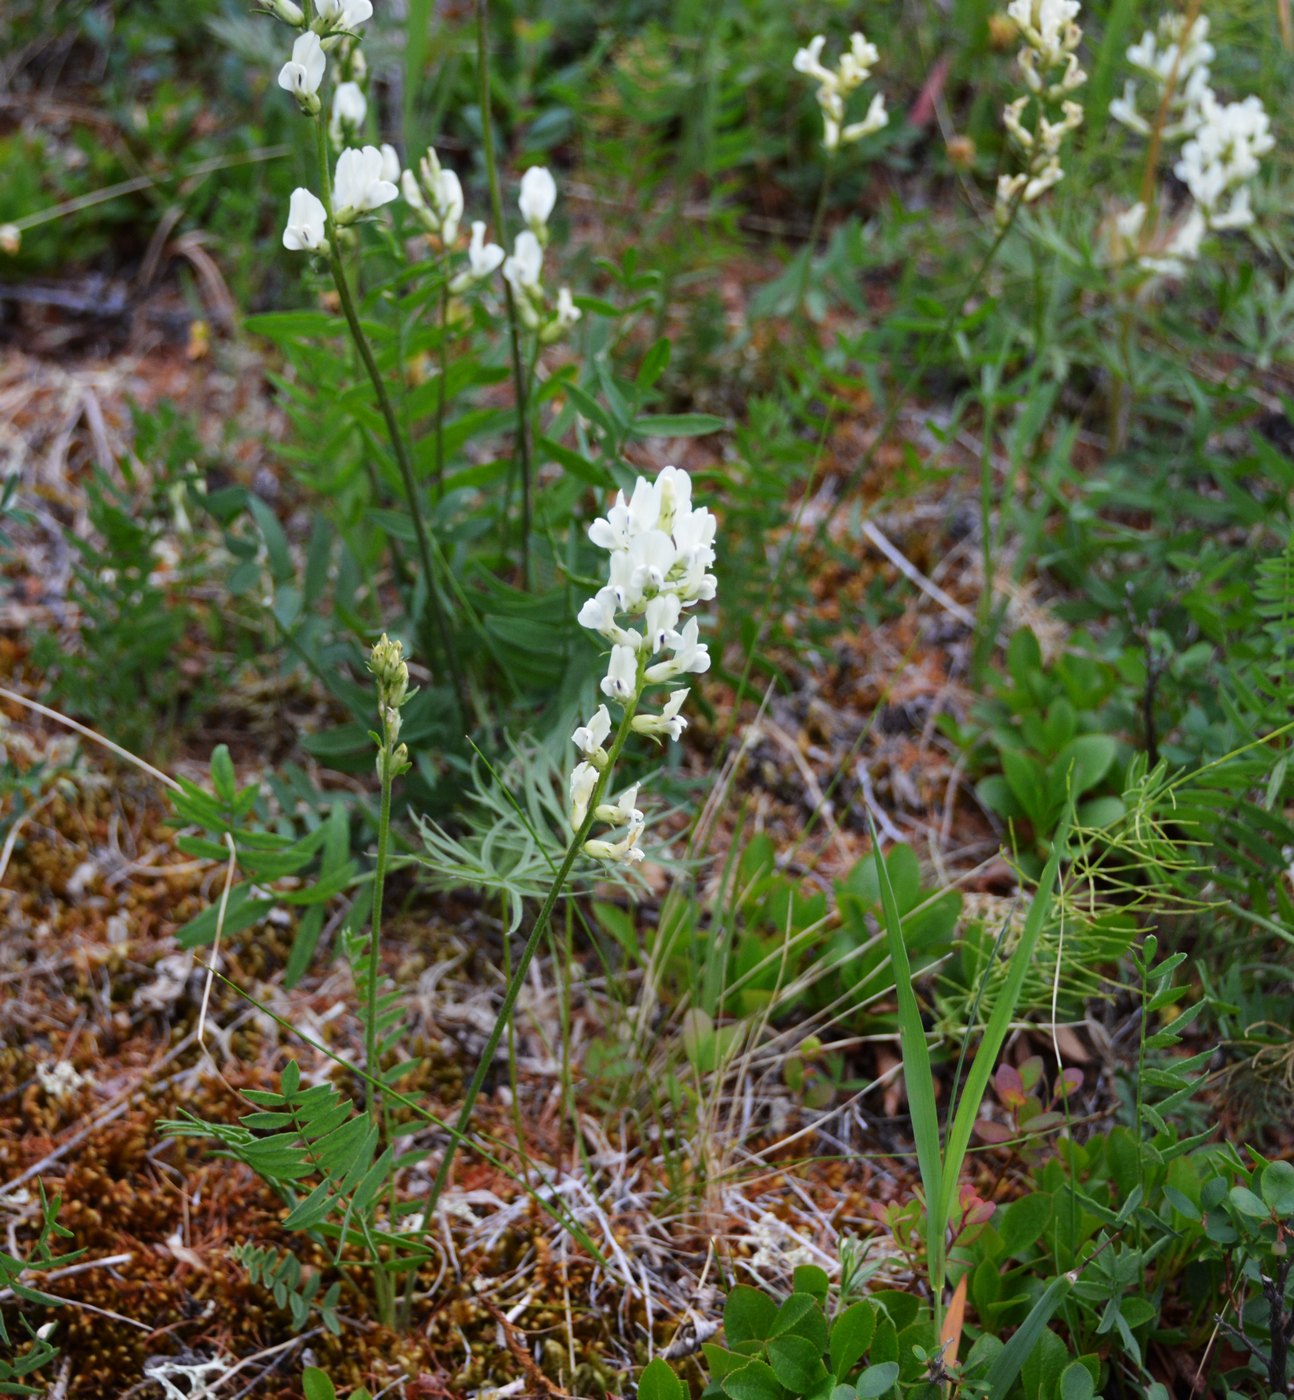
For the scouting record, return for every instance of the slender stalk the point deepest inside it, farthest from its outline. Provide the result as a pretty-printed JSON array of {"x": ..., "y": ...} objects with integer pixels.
[
  {"x": 815, "y": 231},
  {"x": 433, "y": 607},
  {"x": 375, "y": 929},
  {"x": 537, "y": 931},
  {"x": 442, "y": 369},
  {"x": 984, "y": 642},
  {"x": 398, "y": 446},
  {"x": 514, "y": 328}
]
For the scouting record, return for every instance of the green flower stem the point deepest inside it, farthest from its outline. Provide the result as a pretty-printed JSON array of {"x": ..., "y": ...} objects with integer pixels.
[
  {"x": 338, "y": 268},
  {"x": 815, "y": 231},
  {"x": 514, "y": 328},
  {"x": 375, "y": 927},
  {"x": 537, "y": 931},
  {"x": 442, "y": 369}
]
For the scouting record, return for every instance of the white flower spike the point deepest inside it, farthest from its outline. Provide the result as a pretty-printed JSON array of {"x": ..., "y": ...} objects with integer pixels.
[
  {"x": 306, "y": 220},
  {"x": 304, "y": 71},
  {"x": 661, "y": 547},
  {"x": 836, "y": 85}
]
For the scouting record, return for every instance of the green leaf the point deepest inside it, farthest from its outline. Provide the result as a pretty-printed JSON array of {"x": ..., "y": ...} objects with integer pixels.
[
  {"x": 753, "y": 1381},
  {"x": 801, "y": 1315},
  {"x": 1278, "y": 1187},
  {"x": 1023, "y": 1221},
  {"x": 1007, "y": 1363},
  {"x": 676, "y": 425},
  {"x": 748, "y": 1315},
  {"x": 810, "y": 1279},
  {"x": 1076, "y": 1382},
  {"x": 223, "y": 778},
  {"x": 1247, "y": 1203},
  {"x": 658, "y": 1382},
  {"x": 851, "y": 1335},
  {"x": 797, "y": 1363},
  {"x": 1090, "y": 756},
  {"x": 876, "y": 1380},
  {"x": 316, "y": 1384}
]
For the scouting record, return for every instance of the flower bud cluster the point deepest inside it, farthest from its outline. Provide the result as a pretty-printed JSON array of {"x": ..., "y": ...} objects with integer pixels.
[
  {"x": 390, "y": 670},
  {"x": 435, "y": 194},
  {"x": 661, "y": 548},
  {"x": 1220, "y": 154},
  {"x": 836, "y": 85},
  {"x": 1037, "y": 123}
]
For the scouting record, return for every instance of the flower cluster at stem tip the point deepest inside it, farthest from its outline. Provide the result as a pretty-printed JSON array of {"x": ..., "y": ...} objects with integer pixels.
[
  {"x": 661, "y": 548},
  {"x": 1222, "y": 144},
  {"x": 391, "y": 671},
  {"x": 1037, "y": 123},
  {"x": 836, "y": 84},
  {"x": 369, "y": 177}
]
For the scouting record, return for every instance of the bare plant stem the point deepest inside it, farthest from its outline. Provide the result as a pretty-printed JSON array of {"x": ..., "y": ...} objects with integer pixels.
[
  {"x": 537, "y": 931},
  {"x": 815, "y": 231},
  {"x": 514, "y": 329}
]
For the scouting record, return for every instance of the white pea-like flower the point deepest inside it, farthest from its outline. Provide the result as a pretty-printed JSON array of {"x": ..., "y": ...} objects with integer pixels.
[
  {"x": 589, "y": 738},
  {"x": 286, "y": 10},
  {"x": 621, "y": 679},
  {"x": 526, "y": 264},
  {"x": 306, "y": 223},
  {"x": 349, "y": 108},
  {"x": 565, "y": 315},
  {"x": 483, "y": 260},
  {"x": 584, "y": 778},
  {"x": 538, "y": 198},
  {"x": 302, "y": 74},
  {"x": 338, "y": 16},
  {"x": 623, "y": 812},
  {"x": 358, "y": 187},
  {"x": 669, "y": 724}
]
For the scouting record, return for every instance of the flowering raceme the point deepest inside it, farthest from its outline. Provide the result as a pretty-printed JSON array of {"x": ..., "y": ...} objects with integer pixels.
[
  {"x": 835, "y": 85},
  {"x": 660, "y": 550},
  {"x": 1222, "y": 146},
  {"x": 1037, "y": 123}
]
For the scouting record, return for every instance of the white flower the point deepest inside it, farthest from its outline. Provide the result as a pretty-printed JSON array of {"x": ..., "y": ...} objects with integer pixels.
[
  {"x": 669, "y": 724},
  {"x": 358, "y": 187},
  {"x": 690, "y": 655},
  {"x": 662, "y": 618},
  {"x": 565, "y": 316},
  {"x": 332, "y": 16},
  {"x": 390, "y": 164},
  {"x": 286, "y": 10},
  {"x": 303, "y": 73},
  {"x": 538, "y": 196},
  {"x": 584, "y": 778},
  {"x": 483, "y": 260},
  {"x": 589, "y": 738},
  {"x": 349, "y": 108},
  {"x": 526, "y": 264},
  {"x": 626, "y": 851},
  {"x": 621, "y": 679},
  {"x": 306, "y": 218},
  {"x": 599, "y": 615},
  {"x": 522, "y": 271},
  {"x": 622, "y": 813}
]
